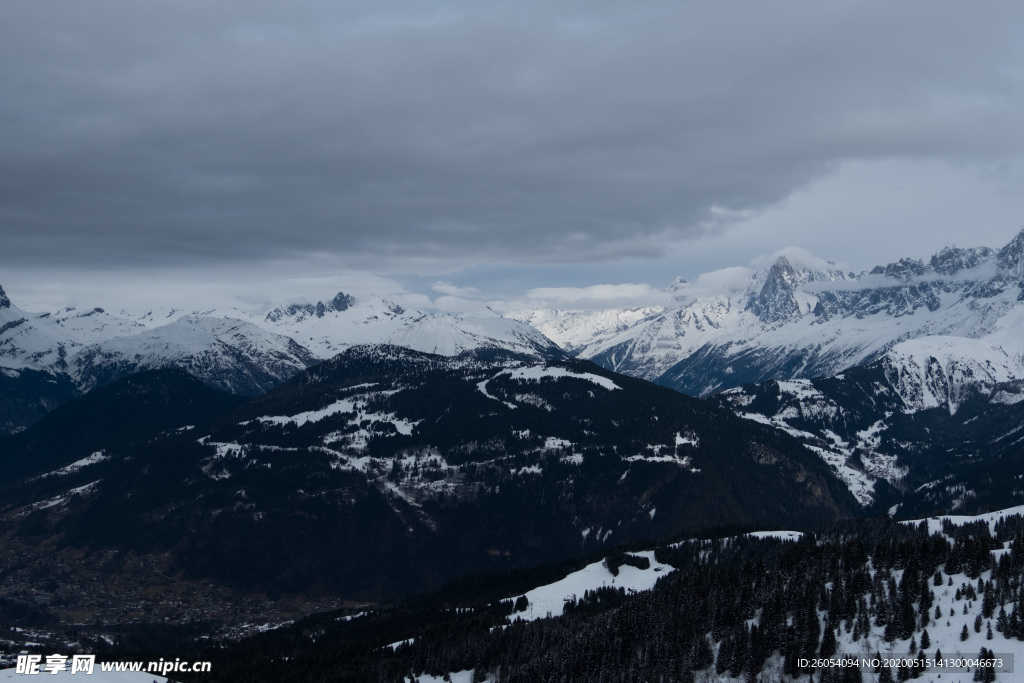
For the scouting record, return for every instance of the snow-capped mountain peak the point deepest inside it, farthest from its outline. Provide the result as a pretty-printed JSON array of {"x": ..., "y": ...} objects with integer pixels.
[
  {"x": 1011, "y": 259},
  {"x": 243, "y": 352},
  {"x": 340, "y": 302},
  {"x": 230, "y": 354},
  {"x": 803, "y": 317},
  {"x": 952, "y": 260},
  {"x": 573, "y": 330},
  {"x": 776, "y": 301}
]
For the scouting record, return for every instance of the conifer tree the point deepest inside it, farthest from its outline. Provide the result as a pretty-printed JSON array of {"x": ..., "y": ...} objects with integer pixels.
[
  {"x": 986, "y": 672},
  {"x": 828, "y": 642},
  {"x": 703, "y": 655},
  {"x": 1002, "y": 621}
]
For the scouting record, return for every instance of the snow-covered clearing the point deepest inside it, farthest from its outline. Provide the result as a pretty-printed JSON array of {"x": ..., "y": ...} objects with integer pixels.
[
  {"x": 96, "y": 457},
  {"x": 781, "y": 535},
  {"x": 536, "y": 373},
  {"x": 550, "y": 599},
  {"x": 59, "y": 500},
  {"x": 935, "y": 523}
]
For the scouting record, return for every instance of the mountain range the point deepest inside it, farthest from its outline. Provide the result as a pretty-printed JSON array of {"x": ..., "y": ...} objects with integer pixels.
[
  {"x": 381, "y": 472},
  {"x": 47, "y": 358},
  {"x": 233, "y": 468},
  {"x": 892, "y": 346},
  {"x": 796, "y": 319},
  {"x": 803, "y": 318}
]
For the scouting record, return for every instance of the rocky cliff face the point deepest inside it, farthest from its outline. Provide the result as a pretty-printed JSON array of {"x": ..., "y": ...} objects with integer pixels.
[
  {"x": 776, "y": 303},
  {"x": 340, "y": 302}
]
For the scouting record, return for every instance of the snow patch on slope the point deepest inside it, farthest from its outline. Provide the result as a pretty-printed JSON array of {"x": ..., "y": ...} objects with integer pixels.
[
  {"x": 536, "y": 373},
  {"x": 934, "y": 372},
  {"x": 549, "y": 600},
  {"x": 990, "y": 518},
  {"x": 574, "y": 329},
  {"x": 232, "y": 354},
  {"x": 96, "y": 457}
]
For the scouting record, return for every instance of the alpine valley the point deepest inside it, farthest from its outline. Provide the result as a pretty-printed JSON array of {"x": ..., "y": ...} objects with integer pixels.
[{"x": 352, "y": 476}]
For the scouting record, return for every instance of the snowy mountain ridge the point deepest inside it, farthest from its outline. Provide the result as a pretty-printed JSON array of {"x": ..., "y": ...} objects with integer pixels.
[
  {"x": 238, "y": 351},
  {"x": 232, "y": 354},
  {"x": 573, "y": 330},
  {"x": 801, "y": 318},
  {"x": 927, "y": 419},
  {"x": 937, "y": 371}
]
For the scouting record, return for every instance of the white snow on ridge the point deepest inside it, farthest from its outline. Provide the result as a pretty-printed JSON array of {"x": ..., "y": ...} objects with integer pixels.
[
  {"x": 202, "y": 346},
  {"x": 687, "y": 440},
  {"x": 685, "y": 462},
  {"x": 860, "y": 483},
  {"x": 574, "y": 329},
  {"x": 376, "y": 320},
  {"x": 859, "y": 319},
  {"x": 355, "y": 404},
  {"x": 935, "y": 523},
  {"x": 1007, "y": 398},
  {"x": 345, "y": 405},
  {"x": 937, "y": 371},
  {"x": 668, "y": 453},
  {"x": 398, "y": 643},
  {"x": 803, "y": 401},
  {"x": 801, "y": 389},
  {"x": 465, "y": 676},
  {"x": 41, "y": 341},
  {"x": 482, "y": 388},
  {"x": 208, "y": 344},
  {"x": 549, "y": 600},
  {"x": 59, "y": 500},
  {"x": 96, "y": 457},
  {"x": 450, "y": 335},
  {"x": 536, "y": 373},
  {"x": 781, "y": 535},
  {"x": 870, "y": 437}
]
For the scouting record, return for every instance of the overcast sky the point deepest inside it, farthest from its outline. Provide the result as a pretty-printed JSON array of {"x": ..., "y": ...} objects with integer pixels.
[{"x": 460, "y": 152}]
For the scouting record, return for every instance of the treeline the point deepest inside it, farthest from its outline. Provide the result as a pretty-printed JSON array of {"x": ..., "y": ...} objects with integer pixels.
[{"x": 731, "y": 607}]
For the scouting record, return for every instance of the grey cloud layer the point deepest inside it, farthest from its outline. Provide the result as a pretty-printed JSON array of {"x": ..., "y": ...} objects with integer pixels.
[{"x": 175, "y": 132}]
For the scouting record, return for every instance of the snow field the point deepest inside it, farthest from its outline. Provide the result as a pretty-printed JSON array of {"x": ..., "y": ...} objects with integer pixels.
[{"x": 549, "y": 600}]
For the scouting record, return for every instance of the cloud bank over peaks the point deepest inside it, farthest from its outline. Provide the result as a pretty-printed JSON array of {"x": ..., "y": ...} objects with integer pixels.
[
  {"x": 800, "y": 259},
  {"x": 594, "y": 297}
]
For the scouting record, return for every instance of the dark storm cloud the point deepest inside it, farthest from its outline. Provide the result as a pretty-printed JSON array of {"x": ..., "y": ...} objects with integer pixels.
[{"x": 178, "y": 131}]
